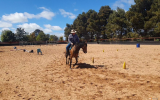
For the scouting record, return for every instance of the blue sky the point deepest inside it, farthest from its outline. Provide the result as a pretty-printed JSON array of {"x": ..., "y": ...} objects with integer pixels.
[{"x": 50, "y": 16}]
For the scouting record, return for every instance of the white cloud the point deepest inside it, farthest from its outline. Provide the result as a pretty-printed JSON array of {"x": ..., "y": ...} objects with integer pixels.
[
  {"x": 5, "y": 24},
  {"x": 57, "y": 28},
  {"x": 59, "y": 34},
  {"x": 33, "y": 26},
  {"x": 65, "y": 14},
  {"x": 46, "y": 31},
  {"x": 117, "y": 4},
  {"x": 75, "y": 9},
  {"x": 29, "y": 16},
  {"x": 13, "y": 28},
  {"x": 43, "y": 8},
  {"x": 30, "y": 27},
  {"x": 15, "y": 18},
  {"x": 128, "y": 1},
  {"x": 23, "y": 17},
  {"x": 4, "y": 29},
  {"x": 123, "y": 3},
  {"x": 46, "y": 14}
]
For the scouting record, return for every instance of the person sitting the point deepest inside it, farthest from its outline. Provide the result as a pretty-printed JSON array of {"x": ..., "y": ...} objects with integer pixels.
[{"x": 72, "y": 39}]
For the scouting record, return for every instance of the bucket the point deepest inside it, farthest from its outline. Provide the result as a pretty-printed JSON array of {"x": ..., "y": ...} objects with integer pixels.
[{"x": 138, "y": 45}]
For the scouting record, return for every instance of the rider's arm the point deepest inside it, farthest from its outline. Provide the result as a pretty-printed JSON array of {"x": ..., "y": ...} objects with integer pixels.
[{"x": 69, "y": 38}]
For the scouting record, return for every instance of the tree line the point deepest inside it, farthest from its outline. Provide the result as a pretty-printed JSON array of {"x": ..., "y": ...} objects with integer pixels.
[
  {"x": 21, "y": 35},
  {"x": 141, "y": 20}
]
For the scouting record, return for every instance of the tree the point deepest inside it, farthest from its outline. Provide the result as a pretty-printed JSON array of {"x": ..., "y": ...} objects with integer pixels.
[
  {"x": 53, "y": 38},
  {"x": 154, "y": 18},
  {"x": 91, "y": 24},
  {"x": 80, "y": 25},
  {"x": 136, "y": 20},
  {"x": 138, "y": 16},
  {"x": 61, "y": 38},
  {"x": 20, "y": 34},
  {"x": 26, "y": 38},
  {"x": 41, "y": 36},
  {"x": 7, "y": 36},
  {"x": 143, "y": 15},
  {"x": 37, "y": 31},
  {"x": 32, "y": 37},
  {"x": 103, "y": 14},
  {"x": 94, "y": 26},
  {"x": 132, "y": 35},
  {"x": 117, "y": 23},
  {"x": 47, "y": 37}
]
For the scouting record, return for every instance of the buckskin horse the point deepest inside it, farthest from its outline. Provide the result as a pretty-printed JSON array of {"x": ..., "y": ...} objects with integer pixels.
[{"x": 74, "y": 51}]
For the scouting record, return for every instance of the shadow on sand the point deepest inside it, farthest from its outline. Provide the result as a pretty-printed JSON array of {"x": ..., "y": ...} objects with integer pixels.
[{"x": 84, "y": 65}]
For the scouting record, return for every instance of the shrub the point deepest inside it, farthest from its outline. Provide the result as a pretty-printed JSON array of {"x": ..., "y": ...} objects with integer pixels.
[{"x": 157, "y": 40}]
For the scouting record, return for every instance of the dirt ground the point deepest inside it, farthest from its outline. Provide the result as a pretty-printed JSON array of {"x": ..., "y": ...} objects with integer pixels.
[{"x": 28, "y": 76}]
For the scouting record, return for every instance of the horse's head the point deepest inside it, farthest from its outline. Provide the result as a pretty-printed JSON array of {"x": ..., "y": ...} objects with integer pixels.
[{"x": 84, "y": 47}]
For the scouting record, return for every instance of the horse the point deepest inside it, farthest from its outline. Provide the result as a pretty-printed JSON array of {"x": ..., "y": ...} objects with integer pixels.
[{"x": 75, "y": 51}]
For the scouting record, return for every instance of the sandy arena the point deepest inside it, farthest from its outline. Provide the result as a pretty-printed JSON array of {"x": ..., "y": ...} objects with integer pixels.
[{"x": 28, "y": 76}]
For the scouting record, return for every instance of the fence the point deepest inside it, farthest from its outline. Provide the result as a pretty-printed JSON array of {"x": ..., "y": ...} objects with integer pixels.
[
  {"x": 31, "y": 43},
  {"x": 102, "y": 41},
  {"x": 128, "y": 39}
]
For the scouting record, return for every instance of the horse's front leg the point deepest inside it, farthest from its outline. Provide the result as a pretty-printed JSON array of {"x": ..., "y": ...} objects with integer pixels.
[
  {"x": 70, "y": 62},
  {"x": 76, "y": 60},
  {"x": 67, "y": 62}
]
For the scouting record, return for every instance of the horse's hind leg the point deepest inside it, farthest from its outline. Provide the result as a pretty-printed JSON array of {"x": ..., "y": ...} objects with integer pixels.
[{"x": 66, "y": 60}]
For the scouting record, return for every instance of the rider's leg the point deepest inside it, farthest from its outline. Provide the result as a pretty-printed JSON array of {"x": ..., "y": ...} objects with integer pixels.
[{"x": 67, "y": 48}]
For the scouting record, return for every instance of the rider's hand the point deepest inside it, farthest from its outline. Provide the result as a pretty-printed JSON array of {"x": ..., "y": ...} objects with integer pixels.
[{"x": 71, "y": 43}]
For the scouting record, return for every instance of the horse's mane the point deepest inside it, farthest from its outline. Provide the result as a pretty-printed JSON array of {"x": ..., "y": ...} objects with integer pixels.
[{"x": 81, "y": 43}]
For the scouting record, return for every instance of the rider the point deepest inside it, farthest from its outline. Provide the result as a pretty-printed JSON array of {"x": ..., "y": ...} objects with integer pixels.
[{"x": 72, "y": 39}]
